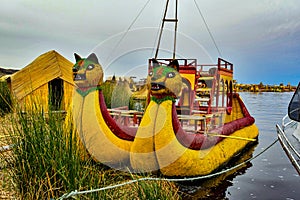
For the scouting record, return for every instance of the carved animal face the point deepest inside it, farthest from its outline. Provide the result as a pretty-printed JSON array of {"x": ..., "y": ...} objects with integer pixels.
[
  {"x": 87, "y": 72},
  {"x": 165, "y": 80}
]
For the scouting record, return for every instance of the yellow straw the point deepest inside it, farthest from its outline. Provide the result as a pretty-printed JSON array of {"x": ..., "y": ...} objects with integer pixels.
[
  {"x": 232, "y": 137},
  {"x": 3, "y": 136}
]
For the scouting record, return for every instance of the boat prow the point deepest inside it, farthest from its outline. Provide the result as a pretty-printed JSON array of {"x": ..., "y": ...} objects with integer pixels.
[{"x": 105, "y": 140}]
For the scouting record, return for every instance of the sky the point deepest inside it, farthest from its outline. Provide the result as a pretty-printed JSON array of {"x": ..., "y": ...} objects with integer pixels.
[{"x": 260, "y": 37}]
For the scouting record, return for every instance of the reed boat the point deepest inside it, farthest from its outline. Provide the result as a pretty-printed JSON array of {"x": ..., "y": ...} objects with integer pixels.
[
  {"x": 194, "y": 122},
  {"x": 195, "y": 136},
  {"x": 106, "y": 140},
  {"x": 289, "y": 131}
]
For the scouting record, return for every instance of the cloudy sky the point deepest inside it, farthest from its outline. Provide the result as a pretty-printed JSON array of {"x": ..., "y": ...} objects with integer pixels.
[{"x": 260, "y": 37}]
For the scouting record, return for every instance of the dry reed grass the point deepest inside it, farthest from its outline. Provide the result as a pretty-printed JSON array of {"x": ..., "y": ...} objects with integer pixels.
[{"x": 6, "y": 183}]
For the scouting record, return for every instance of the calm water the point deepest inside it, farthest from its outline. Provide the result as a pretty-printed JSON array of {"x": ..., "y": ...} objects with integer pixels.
[{"x": 269, "y": 176}]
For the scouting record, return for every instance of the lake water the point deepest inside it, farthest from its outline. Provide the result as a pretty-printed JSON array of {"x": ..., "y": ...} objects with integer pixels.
[{"x": 268, "y": 176}]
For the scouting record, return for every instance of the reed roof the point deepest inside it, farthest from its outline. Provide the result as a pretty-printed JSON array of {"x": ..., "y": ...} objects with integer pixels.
[{"x": 43, "y": 69}]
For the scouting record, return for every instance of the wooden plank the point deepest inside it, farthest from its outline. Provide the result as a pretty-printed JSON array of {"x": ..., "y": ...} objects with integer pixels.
[
  {"x": 203, "y": 89},
  {"x": 206, "y": 78},
  {"x": 202, "y": 99}
]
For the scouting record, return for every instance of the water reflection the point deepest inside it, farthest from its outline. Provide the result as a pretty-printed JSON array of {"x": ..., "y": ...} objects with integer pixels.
[{"x": 215, "y": 188}]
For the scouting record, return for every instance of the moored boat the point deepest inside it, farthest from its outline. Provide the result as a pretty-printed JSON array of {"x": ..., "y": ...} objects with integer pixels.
[
  {"x": 289, "y": 132},
  {"x": 194, "y": 122},
  {"x": 193, "y": 139},
  {"x": 197, "y": 129}
]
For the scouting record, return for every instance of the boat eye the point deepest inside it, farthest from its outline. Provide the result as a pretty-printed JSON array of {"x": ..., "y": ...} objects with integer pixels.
[
  {"x": 90, "y": 67},
  {"x": 151, "y": 73},
  {"x": 170, "y": 75}
]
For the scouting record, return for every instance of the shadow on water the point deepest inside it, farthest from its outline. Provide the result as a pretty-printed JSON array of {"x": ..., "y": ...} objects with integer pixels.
[{"x": 215, "y": 188}]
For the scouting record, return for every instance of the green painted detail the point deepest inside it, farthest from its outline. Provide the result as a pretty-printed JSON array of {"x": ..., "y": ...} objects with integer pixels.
[
  {"x": 86, "y": 91},
  {"x": 82, "y": 64},
  {"x": 162, "y": 71},
  {"x": 160, "y": 100}
]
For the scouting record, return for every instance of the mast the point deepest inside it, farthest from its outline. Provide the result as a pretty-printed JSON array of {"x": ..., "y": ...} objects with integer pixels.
[{"x": 172, "y": 20}]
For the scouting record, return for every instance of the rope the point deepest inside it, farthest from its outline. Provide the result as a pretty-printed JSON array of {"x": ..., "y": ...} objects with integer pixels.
[
  {"x": 75, "y": 192},
  {"x": 130, "y": 26},
  {"x": 207, "y": 28},
  {"x": 231, "y": 137}
]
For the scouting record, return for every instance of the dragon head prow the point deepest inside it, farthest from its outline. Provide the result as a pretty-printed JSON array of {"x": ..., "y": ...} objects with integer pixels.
[
  {"x": 87, "y": 72},
  {"x": 164, "y": 81}
]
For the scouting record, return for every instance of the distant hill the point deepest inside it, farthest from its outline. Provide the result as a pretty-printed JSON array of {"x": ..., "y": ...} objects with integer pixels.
[{"x": 4, "y": 71}]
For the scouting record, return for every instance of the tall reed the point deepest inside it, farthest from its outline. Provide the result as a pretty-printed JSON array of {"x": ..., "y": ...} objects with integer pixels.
[
  {"x": 5, "y": 99},
  {"x": 46, "y": 162}
]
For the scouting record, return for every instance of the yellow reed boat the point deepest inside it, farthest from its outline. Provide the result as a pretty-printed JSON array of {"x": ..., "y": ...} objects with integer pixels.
[{"x": 194, "y": 122}]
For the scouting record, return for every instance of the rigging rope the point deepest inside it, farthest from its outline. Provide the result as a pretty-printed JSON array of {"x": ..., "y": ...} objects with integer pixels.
[
  {"x": 206, "y": 25},
  {"x": 75, "y": 192},
  {"x": 128, "y": 29}
]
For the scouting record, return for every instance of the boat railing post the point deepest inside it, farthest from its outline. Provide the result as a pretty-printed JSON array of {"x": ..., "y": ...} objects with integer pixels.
[{"x": 204, "y": 124}]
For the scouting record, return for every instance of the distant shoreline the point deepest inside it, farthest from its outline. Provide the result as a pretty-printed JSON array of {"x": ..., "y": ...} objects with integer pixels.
[
  {"x": 239, "y": 87},
  {"x": 264, "y": 88}
]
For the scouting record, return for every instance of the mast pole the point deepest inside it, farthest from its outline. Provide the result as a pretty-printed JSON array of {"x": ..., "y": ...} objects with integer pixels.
[
  {"x": 175, "y": 31},
  {"x": 175, "y": 19},
  {"x": 161, "y": 30}
]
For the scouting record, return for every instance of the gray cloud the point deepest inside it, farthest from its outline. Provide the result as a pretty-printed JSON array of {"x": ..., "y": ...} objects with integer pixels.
[{"x": 248, "y": 33}]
